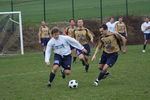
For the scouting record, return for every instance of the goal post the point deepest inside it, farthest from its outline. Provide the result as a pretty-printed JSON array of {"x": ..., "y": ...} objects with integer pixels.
[{"x": 11, "y": 34}]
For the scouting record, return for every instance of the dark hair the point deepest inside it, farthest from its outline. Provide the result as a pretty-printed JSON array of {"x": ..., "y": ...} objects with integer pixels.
[
  {"x": 120, "y": 17},
  {"x": 71, "y": 20},
  {"x": 54, "y": 30},
  {"x": 104, "y": 26}
]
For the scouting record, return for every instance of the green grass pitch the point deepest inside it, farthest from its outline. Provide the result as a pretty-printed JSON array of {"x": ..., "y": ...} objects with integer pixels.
[
  {"x": 60, "y": 10},
  {"x": 25, "y": 77}
]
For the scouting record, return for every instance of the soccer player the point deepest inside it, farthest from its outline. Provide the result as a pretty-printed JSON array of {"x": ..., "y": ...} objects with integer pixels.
[
  {"x": 44, "y": 35},
  {"x": 108, "y": 41},
  {"x": 82, "y": 34},
  {"x": 69, "y": 31},
  {"x": 145, "y": 27},
  {"x": 121, "y": 27},
  {"x": 111, "y": 24},
  {"x": 62, "y": 53}
]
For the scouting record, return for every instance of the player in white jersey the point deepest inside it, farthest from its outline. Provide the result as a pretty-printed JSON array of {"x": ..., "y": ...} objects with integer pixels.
[
  {"x": 111, "y": 24},
  {"x": 62, "y": 53},
  {"x": 145, "y": 27}
]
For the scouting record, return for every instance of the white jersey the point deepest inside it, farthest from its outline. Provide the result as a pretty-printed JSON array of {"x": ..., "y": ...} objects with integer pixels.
[
  {"x": 144, "y": 26},
  {"x": 61, "y": 46},
  {"x": 111, "y": 26}
]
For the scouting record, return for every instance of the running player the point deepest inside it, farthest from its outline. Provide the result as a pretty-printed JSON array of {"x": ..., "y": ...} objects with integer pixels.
[
  {"x": 121, "y": 27},
  {"x": 69, "y": 31},
  {"x": 44, "y": 35},
  {"x": 145, "y": 27},
  {"x": 62, "y": 53},
  {"x": 82, "y": 34},
  {"x": 108, "y": 42}
]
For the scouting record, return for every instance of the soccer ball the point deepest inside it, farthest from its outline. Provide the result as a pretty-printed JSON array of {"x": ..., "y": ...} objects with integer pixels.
[{"x": 73, "y": 84}]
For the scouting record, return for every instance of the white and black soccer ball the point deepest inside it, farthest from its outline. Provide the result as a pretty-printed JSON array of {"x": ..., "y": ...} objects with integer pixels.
[{"x": 73, "y": 84}]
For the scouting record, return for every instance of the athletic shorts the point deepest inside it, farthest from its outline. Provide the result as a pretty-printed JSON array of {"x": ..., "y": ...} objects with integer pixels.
[
  {"x": 64, "y": 61},
  {"x": 44, "y": 41},
  {"x": 123, "y": 34},
  {"x": 87, "y": 47},
  {"x": 146, "y": 36},
  {"x": 109, "y": 59}
]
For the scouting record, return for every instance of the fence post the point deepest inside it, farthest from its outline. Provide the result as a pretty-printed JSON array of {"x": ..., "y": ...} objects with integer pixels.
[
  {"x": 73, "y": 9},
  {"x": 12, "y": 6},
  {"x": 126, "y": 7},
  {"x": 44, "y": 10},
  {"x": 101, "y": 11}
]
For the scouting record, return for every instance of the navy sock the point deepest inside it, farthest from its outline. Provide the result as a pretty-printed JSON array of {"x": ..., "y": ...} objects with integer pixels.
[
  {"x": 101, "y": 75},
  {"x": 51, "y": 77},
  {"x": 83, "y": 63},
  {"x": 144, "y": 47},
  {"x": 74, "y": 59},
  {"x": 44, "y": 53}
]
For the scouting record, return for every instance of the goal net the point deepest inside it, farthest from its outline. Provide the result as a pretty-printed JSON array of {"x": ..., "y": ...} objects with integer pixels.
[{"x": 11, "y": 36}]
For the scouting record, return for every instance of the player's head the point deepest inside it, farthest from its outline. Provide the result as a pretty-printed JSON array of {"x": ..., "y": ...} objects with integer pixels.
[
  {"x": 80, "y": 22},
  {"x": 146, "y": 19},
  {"x": 72, "y": 22},
  {"x": 112, "y": 19},
  {"x": 43, "y": 23},
  {"x": 120, "y": 19},
  {"x": 103, "y": 29},
  {"x": 55, "y": 33}
]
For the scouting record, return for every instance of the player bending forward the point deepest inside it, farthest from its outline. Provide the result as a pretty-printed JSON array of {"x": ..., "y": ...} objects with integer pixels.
[
  {"x": 108, "y": 42},
  {"x": 62, "y": 53}
]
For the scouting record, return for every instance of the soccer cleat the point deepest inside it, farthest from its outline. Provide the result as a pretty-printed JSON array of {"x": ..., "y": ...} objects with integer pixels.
[
  {"x": 143, "y": 51},
  {"x": 86, "y": 68},
  {"x": 106, "y": 75},
  {"x": 48, "y": 85},
  {"x": 95, "y": 82},
  {"x": 63, "y": 74}
]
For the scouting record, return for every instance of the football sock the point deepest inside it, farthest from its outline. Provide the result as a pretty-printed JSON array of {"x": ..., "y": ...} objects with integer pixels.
[
  {"x": 44, "y": 53},
  {"x": 144, "y": 47},
  {"x": 74, "y": 59},
  {"x": 101, "y": 75},
  {"x": 51, "y": 77},
  {"x": 83, "y": 63}
]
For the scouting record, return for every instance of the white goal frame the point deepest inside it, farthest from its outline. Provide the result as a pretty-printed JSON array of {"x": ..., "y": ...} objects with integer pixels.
[{"x": 20, "y": 27}]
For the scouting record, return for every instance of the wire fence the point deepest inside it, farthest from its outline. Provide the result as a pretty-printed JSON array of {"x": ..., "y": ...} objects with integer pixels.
[{"x": 61, "y": 10}]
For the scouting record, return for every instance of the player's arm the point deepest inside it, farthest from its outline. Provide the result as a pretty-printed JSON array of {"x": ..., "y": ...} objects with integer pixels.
[
  {"x": 116, "y": 27},
  {"x": 99, "y": 46},
  {"x": 124, "y": 41},
  {"x": 89, "y": 33},
  {"x": 75, "y": 44},
  {"x": 39, "y": 35},
  {"x": 49, "y": 32},
  {"x": 48, "y": 53},
  {"x": 126, "y": 30}
]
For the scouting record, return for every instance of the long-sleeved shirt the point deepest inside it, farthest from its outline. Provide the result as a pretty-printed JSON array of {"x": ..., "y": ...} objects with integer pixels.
[
  {"x": 61, "y": 46},
  {"x": 109, "y": 43},
  {"x": 121, "y": 27},
  {"x": 82, "y": 35},
  {"x": 144, "y": 26},
  {"x": 111, "y": 26}
]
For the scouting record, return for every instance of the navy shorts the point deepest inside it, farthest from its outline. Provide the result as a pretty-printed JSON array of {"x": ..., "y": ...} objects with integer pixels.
[
  {"x": 87, "y": 47},
  {"x": 44, "y": 41},
  {"x": 123, "y": 34},
  {"x": 146, "y": 36},
  {"x": 64, "y": 61},
  {"x": 109, "y": 59}
]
